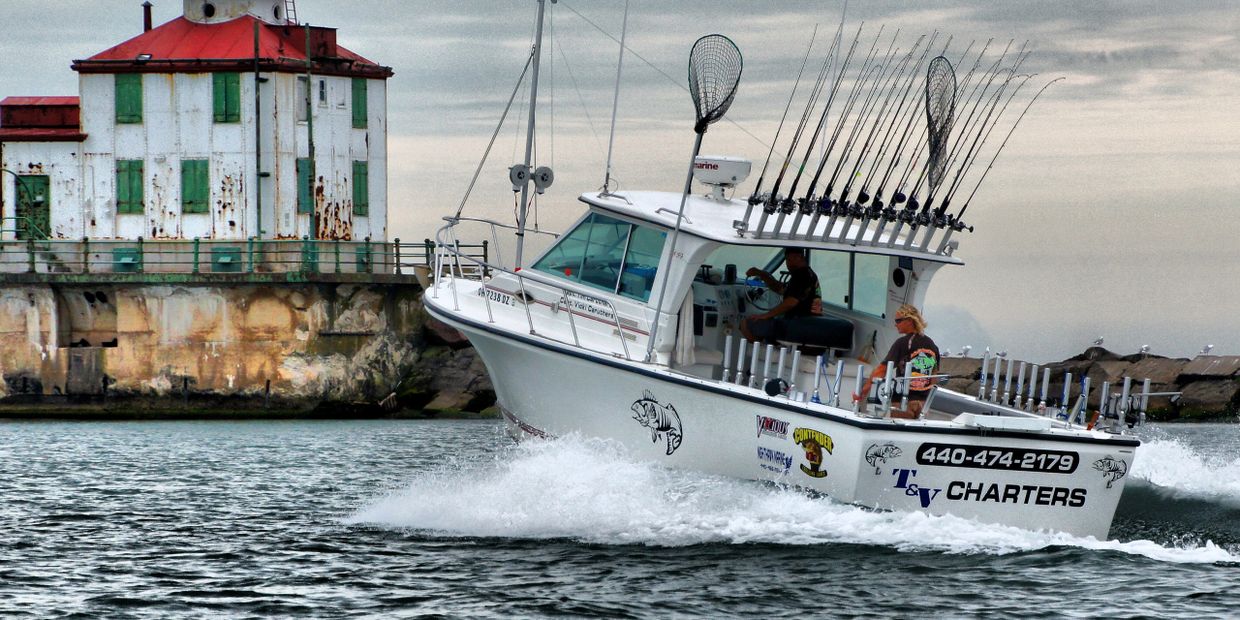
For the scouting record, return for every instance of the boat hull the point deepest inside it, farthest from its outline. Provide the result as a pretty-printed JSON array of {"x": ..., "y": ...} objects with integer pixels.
[{"x": 1029, "y": 480}]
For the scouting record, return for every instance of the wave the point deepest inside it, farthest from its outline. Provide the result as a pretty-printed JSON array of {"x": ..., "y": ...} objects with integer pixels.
[{"x": 591, "y": 491}]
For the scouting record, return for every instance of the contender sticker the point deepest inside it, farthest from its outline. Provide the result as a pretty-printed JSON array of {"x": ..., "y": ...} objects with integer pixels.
[{"x": 1008, "y": 459}]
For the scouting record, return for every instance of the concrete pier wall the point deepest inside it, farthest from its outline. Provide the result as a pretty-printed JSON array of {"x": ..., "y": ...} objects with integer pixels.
[{"x": 313, "y": 342}]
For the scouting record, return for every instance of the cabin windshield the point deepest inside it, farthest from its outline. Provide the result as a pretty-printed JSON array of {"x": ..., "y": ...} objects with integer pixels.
[{"x": 608, "y": 254}]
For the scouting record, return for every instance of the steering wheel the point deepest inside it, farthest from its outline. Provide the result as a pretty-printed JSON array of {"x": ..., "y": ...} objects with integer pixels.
[{"x": 762, "y": 298}]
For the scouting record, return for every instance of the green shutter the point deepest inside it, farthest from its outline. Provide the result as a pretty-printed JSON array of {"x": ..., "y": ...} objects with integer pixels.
[
  {"x": 128, "y": 98},
  {"x": 359, "y": 103},
  {"x": 361, "y": 188},
  {"x": 226, "y": 97},
  {"x": 195, "y": 186},
  {"x": 129, "y": 186},
  {"x": 304, "y": 204}
]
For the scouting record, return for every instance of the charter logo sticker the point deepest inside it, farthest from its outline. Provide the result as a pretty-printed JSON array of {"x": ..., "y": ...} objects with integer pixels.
[
  {"x": 662, "y": 420},
  {"x": 876, "y": 454},
  {"x": 813, "y": 442},
  {"x": 923, "y": 494},
  {"x": 774, "y": 460},
  {"x": 1112, "y": 469},
  {"x": 772, "y": 427}
]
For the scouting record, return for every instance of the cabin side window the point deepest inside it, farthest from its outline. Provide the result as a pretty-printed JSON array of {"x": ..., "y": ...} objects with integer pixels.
[
  {"x": 607, "y": 254},
  {"x": 853, "y": 281}
]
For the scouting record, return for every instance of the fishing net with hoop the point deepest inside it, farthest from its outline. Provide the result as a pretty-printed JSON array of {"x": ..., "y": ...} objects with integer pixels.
[
  {"x": 940, "y": 112},
  {"x": 714, "y": 73}
]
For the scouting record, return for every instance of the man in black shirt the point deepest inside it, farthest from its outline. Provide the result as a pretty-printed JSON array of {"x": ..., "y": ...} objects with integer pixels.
[
  {"x": 802, "y": 297},
  {"x": 914, "y": 346}
]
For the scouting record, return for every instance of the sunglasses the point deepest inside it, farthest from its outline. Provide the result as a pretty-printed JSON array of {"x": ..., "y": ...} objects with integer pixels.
[{"x": 903, "y": 318}]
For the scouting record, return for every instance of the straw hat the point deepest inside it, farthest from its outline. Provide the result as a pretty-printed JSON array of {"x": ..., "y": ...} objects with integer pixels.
[{"x": 908, "y": 311}]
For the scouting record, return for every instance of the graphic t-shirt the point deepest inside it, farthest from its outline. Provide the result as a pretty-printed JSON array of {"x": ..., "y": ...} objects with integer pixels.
[
  {"x": 921, "y": 350},
  {"x": 803, "y": 286}
]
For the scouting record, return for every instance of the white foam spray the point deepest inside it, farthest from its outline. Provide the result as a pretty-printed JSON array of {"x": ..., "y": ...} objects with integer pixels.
[
  {"x": 592, "y": 491},
  {"x": 1174, "y": 467}
]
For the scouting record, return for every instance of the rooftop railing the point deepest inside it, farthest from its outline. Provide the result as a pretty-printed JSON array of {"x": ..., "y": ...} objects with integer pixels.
[{"x": 225, "y": 256}]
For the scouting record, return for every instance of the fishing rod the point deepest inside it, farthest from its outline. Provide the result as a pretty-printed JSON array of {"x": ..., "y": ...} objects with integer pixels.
[
  {"x": 809, "y": 202},
  {"x": 858, "y": 209},
  {"x": 902, "y": 112},
  {"x": 875, "y": 209},
  {"x": 755, "y": 198},
  {"x": 888, "y": 212},
  {"x": 890, "y": 55},
  {"x": 843, "y": 205},
  {"x": 971, "y": 159},
  {"x": 859, "y": 87},
  {"x": 984, "y": 127},
  {"x": 922, "y": 217},
  {"x": 787, "y": 205},
  {"x": 909, "y": 213},
  {"x": 770, "y": 204},
  {"x": 957, "y": 221}
]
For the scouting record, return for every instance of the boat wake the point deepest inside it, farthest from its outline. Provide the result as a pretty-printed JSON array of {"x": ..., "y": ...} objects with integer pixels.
[{"x": 589, "y": 490}]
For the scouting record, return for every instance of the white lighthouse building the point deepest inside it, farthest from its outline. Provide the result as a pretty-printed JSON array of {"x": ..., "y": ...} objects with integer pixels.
[{"x": 229, "y": 122}]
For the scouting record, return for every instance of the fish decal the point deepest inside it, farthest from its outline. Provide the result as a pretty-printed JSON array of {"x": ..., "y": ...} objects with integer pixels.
[
  {"x": 876, "y": 453},
  {"x": 1112, "y": 469},
  {"x": 662, "y": 420}
]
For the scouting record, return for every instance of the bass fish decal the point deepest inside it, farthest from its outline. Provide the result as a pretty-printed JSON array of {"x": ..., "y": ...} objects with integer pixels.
[
  {"x": 1112, "y": 469},
  {"x": 662, "y": 420},
  {"x": 877, "y": 453}
]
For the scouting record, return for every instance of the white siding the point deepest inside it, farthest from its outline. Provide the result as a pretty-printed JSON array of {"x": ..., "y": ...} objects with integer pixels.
[{"x": 177, "y": 123}]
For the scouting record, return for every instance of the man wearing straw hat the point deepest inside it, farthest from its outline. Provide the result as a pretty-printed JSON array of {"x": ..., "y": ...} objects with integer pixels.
[{"x": 914, "y": 346}]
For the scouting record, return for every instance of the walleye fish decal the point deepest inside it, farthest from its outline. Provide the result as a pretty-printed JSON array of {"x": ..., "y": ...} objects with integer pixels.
[
  {"x": 876, "y": 453},
  {"x": 662, "y": 420},
  {"x": 1112, "y": 469}
]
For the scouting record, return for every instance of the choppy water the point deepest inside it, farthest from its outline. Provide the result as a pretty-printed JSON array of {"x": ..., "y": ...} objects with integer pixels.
[{"x": 408, "y": 518}]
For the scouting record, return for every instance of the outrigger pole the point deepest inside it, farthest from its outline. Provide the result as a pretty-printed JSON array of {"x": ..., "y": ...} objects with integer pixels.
[{"x": 521, "y": 176}]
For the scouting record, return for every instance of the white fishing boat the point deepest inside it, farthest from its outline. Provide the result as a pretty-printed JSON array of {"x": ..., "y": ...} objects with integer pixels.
[{"x": 625, "y": 327}]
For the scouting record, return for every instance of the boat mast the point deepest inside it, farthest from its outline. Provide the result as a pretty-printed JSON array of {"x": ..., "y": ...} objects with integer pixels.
[
  {"x": 615, "y": 101},
  {"x": 524, "y": 177}
]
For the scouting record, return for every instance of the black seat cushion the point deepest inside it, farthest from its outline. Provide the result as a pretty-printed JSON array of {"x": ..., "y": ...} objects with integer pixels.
[{"x": 827, "y": 332}]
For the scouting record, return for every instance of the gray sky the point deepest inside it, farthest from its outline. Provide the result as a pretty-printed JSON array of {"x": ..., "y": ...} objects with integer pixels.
[{"x": 1110, "y": 212}]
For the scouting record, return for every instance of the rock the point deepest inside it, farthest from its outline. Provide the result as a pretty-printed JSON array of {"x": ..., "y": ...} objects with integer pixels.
[
  {"x": 1110, "y": 371},
  {"x": 450, "y": 402},
  {"x": 1095, "y": 354},
  {"x": 438, "y": 332},
  {"x": 1213, "y": 366},
  {"x": 1157, "y": 370},
  {"x": 1210, "y": 397},
  {"x": 960, "y": 367}
]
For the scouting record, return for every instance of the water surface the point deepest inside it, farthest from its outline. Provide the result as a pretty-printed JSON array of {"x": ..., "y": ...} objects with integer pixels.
[{"x": 448, "y": 518}]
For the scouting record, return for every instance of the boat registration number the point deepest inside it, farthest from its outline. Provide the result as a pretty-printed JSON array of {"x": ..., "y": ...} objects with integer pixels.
[{"x": 1012, "y": 459}]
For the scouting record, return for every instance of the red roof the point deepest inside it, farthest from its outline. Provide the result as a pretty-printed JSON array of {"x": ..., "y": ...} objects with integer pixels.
[
  {"x": 41, "y": 101},
  {"x": 183, "y": 45},
  {"x": 40, "y": 119}
]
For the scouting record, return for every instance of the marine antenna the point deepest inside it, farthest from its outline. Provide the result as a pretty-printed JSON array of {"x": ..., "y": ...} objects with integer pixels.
[{"x": 715, "y": 66}]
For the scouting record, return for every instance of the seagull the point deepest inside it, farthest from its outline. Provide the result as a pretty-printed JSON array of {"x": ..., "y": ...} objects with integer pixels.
[
  {"x": 1098, "y": 341},
  {"x": 1145, "y": 348},
  {"x": 1002, "y": 353},
  {"x": 947, "y": 352},
  {"x": 964, "y": 351},
  {"x": 1206, "y": 349}
]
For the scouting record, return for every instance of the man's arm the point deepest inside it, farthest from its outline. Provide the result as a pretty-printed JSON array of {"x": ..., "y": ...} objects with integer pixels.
[
  {"x": 767, "y": 279},
  {"x": 787, "y": 304}
]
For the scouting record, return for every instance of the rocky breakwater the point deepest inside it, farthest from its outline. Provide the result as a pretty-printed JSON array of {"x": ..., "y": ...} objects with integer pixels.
[{"x": 1209, "y": 384}]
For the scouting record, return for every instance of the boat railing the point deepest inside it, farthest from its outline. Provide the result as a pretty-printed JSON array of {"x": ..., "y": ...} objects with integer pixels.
[{"x": 452, "y": 264}]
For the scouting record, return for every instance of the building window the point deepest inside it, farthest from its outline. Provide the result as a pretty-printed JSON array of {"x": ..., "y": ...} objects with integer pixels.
[
  {"x": 226, "y": 93},
  {"x": 129, "y": 186},
  {"x": 195, "y": 186},
  {"x": 128, "y": 98},
  {"x": 305, "y": 171},
  {"x": 303, "y": 99},
  {"x": 361, "y": 188},
  {"x": 359, "y": 103}
]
